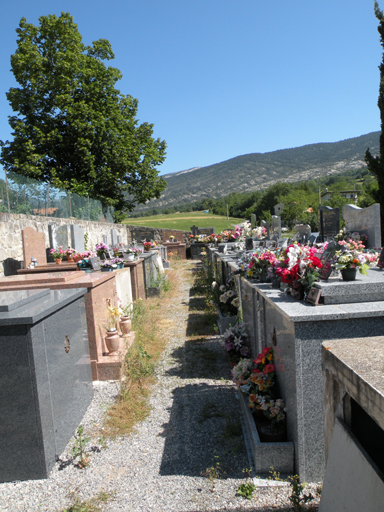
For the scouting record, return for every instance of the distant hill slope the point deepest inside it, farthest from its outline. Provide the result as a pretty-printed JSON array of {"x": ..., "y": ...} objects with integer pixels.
[{"x": 256, "y": 171}]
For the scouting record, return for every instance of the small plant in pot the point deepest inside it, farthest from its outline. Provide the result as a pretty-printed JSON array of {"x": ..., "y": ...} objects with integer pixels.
[
  {"x": 102, "y": 251},
  {"x": 58, "y": 254},
  {"x": 148, "y": 246},
  {"x": 69, "y": 253},
  {"x": 131, "y": 253},
  {"x": 108, "y": 266},
  {"x": 348, "y": 262}
]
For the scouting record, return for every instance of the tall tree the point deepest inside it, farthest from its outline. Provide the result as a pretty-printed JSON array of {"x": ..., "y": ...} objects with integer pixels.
[
  {"x": 376, "y": 163},
  {"x": 73, "y": 128}
]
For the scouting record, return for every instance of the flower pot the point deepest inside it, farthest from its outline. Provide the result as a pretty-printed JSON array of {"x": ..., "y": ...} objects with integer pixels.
[
  {"x": 70, "y": 259},
  {"x": 348, "y": 274},
  {"x": 58, "y": 261},
  {"x": 129, "y": 257},
  {"x": 112, "y": 341},
  {"x": 125, "y": 325},
  {"x": 270, "y": 433},
  {"x": 106, "y": 269},
  {"x": 120, "y": 265}
]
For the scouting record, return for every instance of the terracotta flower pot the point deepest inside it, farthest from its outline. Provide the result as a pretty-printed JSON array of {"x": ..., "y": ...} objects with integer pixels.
[
  {"x": 58, "y": 261},
  {"x": 70, "y": 260},
  {"x": 112, "y": 341}
]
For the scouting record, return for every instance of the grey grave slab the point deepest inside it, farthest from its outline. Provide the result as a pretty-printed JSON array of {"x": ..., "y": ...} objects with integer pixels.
[
  {"x": 253, "y": 220},
  {"x": 45, "y": 381},
  {"x": 10, "y": 300},
  {"x": 77, "y": 238},
  {"x": 265, "y": 224},
  {"x": 58, "y": 236},
  {"x": 364, "y": 221}
]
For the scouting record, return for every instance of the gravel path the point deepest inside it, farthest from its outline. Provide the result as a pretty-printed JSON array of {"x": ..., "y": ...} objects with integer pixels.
[{"x": 194, "y": 425}]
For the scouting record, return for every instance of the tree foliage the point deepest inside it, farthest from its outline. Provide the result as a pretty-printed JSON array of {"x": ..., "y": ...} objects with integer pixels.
[
  {"x": 376, "y": 163},
  {"x": 72, "y": 127}
]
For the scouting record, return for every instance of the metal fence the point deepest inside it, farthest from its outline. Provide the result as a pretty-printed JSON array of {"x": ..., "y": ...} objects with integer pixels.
[{"x": 31, "y": 197}]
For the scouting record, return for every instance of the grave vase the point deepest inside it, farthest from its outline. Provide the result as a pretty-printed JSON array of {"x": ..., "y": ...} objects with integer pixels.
[
  {"x": 348, "y": 274},
  {"x": 125, "y": 325},
  {"x": 270, "y": 433},
  {"x": 112, "y": 342}
]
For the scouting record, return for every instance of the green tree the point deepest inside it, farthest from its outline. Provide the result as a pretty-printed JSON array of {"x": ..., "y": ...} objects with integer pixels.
[
  {"x": 73, "y": 128},
  {"x": 376, "y": 163}
]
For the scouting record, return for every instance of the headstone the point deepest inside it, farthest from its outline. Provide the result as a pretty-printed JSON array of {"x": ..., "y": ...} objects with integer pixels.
[
  {"x": 94, "y": 263},
  {"x": 105, "y": 239},
  {"x": 113, "y": 237},
  {"x": 365, "y": 221},
  {"x": 303, "y": 231},
  {"x": 58, "y": 236},
  {"x": 33, "y": 246},
  {"x": 249, "y": 244},
  {"x": 194, "y": 230},
  {"x": 276, "y": 227},
  {"x": 77, "y": 238},
  {"x": 253, "y": 220},
  {"x": 118, "y": 240},
  {"x": 265, "y": 224},
  {"x": 329, "y": 221},
  {"x": 145, "y": 236}
]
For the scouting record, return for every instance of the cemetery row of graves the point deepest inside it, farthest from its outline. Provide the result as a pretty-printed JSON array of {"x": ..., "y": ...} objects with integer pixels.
[
  {"x": 302, "y": 321},
  {"x": 289, "y": 311}
]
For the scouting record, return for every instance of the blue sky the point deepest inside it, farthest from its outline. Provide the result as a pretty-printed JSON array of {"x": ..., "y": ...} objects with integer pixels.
[{"x": 222, "y": 78}]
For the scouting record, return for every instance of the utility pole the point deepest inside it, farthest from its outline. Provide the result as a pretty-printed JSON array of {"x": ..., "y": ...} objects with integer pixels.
[
  {"x": 319, "y": 196},
  {"x": 227, "y": 213}
]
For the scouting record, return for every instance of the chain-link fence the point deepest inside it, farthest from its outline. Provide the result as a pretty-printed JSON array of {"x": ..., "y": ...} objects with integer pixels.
[{"x": 31, "y": 197}]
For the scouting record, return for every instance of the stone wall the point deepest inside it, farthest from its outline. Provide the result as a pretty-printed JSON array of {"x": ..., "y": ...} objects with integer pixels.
[{"x": 11, "y": 248}]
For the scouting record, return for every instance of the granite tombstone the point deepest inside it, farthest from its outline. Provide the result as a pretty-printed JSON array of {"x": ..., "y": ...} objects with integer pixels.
[
  {"x": 77, "y": 238},
  {"x": 329, "y": 221},
  {"x": 364, "y": 221},
  {"x": 58, "y": 236},
  {"x": 33, "y": 246}
]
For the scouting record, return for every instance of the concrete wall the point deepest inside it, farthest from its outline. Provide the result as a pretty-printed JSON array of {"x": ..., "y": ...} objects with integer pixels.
[{"x": 11, "y": 249}]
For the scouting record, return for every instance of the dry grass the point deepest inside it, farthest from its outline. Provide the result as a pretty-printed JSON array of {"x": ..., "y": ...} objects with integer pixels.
[{"x": 152, "y": 326}]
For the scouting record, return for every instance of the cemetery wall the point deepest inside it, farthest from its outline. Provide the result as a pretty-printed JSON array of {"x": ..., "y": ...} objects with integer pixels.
[{"x": 11, "y": 225}]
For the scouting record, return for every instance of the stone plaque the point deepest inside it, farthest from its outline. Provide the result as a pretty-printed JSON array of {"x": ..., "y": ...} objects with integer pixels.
[
  {"x": 329, "y": 221},
  {"x": 206, "y": 231},
  {"x": 364, "y": 221},
  {"x": 313, "y": 296},
  {"x": 33, "y": 246},
  {"x": 94, "y": 263},
  {"x": 77, "y": 238},
  {"x": 58, "y": 236}
]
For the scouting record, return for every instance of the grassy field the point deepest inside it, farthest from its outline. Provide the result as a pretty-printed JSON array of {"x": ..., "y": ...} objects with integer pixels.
[{"x": 184, "y": 221}]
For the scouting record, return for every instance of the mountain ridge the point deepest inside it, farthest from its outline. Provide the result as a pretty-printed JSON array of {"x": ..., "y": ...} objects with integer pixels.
[{"x": 257, "y": 171}]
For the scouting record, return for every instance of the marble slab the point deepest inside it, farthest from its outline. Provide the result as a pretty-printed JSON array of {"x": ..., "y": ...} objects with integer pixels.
[{"x": 10, "y": 300}]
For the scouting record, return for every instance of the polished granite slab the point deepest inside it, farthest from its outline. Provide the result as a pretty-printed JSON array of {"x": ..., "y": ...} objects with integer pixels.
[
  {"x": 366, "y": 288},
  {"x": 10, "y": 300},
  {"x": 35, "y": 310},
  {"x": 46, "y": 278}
]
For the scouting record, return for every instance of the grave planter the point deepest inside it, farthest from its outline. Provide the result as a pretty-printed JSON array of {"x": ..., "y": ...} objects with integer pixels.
[
  {"x": 269, "y": 434},
  {"x": 225, "y": 322},
  {"x": 128, "y": 257},
  {"x": 279, "y": 454},
  {"x": 348, "y": 274},
  {"x": 106, "y": 269},
  {"x": 58, "y": 261}
]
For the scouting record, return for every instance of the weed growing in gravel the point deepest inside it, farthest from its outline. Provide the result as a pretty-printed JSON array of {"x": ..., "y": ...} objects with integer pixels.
[
  {"x": 214, "y": 473},
  {"x": 91, "y": 505},
  {"x": 247, "y": 489},
  {"x": 78, "y": 450},
  {"x": 297, "y": 497}
]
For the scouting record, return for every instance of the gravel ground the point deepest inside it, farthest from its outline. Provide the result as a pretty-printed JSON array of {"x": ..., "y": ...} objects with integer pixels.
[{"x": 194, "y": 425}]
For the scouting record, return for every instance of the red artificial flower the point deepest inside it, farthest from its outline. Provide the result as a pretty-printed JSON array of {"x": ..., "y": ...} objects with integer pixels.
[{"x": 269, "y": 368}]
